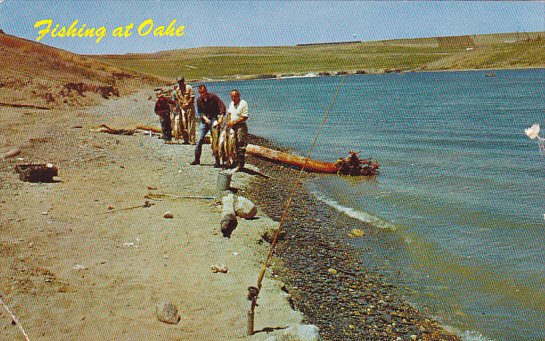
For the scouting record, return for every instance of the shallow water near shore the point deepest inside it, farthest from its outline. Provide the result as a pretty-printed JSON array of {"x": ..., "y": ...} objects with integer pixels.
[{"x": 461, "y": 185}]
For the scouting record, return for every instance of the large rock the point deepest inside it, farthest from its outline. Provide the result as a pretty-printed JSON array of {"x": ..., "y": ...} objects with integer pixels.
[
  {"x": 302, "y": 332},
  {"x": 167, "y": 312},
  {"x": 245, "y": 208}
]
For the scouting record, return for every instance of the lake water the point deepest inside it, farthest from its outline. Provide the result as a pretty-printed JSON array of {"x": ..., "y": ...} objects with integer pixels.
[{"x": 461, "y": 185}]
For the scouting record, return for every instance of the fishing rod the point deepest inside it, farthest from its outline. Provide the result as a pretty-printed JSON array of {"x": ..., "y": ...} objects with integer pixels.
[{"x": 253, "y": 292}]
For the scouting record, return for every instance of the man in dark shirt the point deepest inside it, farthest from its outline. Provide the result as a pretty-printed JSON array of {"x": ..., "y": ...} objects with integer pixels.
[
  {"x": 162, "y": 109},
  {"x": 211, "y": 110}
]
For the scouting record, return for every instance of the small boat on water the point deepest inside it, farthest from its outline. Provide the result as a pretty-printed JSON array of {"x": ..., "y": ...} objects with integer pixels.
[{"x": 490, "y": 74}]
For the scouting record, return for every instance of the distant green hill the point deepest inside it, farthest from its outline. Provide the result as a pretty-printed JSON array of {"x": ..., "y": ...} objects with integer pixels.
[{"x": 490, "y": 51}]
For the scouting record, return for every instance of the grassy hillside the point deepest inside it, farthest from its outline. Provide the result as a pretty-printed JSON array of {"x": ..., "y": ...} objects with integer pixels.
[
  {"x": 36, "y": 74},
  {"x": 511, "y": 50}
]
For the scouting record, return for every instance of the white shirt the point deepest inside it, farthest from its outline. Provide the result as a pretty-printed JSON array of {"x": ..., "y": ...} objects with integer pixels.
[{"x": 237, "y": 111}]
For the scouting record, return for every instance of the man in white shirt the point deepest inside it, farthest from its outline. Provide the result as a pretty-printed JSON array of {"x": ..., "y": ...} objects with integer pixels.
[{"x": 237, "y": 115}]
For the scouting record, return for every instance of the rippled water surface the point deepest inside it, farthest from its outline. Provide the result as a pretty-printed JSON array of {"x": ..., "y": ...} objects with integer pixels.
[{"x": 461, "y": 184}]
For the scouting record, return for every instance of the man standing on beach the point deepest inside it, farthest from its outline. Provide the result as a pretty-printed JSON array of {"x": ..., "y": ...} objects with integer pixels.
[
  {"x": 162, "y": 109},
  {"x": 185, "y": 97},
  {"x": 238, "y": 115},
  {"x": 211, "y": 110}
]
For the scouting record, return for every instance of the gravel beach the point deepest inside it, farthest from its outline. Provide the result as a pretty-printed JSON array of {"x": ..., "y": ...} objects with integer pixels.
[
  {"x": 322, "y": 274},
  {"x": 84, "y": 258}
]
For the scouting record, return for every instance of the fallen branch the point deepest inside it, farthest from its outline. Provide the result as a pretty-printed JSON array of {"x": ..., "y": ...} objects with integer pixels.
[
  {"x": 16, "y": 105},
  {"x": 11, "y": 153},
  {"x": 105, "y": 129},
  {"x": 146, "y": 204},
  {"x": 160, "y": 196},
  {"x": 149, "y": 128}
]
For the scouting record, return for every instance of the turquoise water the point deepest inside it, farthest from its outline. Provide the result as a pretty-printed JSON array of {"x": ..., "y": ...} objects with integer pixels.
[{"x": 461, "y": 185}]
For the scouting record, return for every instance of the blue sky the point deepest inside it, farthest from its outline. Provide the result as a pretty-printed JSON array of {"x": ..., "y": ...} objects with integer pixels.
[{"x": 265, "y": 23}]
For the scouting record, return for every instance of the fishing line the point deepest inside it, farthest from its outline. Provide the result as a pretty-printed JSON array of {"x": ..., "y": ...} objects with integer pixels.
[
  {"x": 14, "y": 318},
  {"x": 254, "y": 292}
]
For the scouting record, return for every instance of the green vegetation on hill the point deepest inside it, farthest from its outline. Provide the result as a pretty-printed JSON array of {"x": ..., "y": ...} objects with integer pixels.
[{"x": 514, "y": 50}]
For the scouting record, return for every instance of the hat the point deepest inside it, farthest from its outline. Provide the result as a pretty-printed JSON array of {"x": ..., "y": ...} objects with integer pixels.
[{"x": 180, "y": 79}]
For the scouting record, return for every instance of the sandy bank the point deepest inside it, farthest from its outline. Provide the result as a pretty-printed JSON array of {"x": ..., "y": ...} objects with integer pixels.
[{"x": 76, "y": 263}]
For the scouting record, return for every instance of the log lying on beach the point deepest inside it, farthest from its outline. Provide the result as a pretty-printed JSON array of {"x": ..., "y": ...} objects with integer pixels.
[
  {"x": 17, "y": 105},
  {"x": 149, "y": 128},
  {"x": 352, "y": 165},
  {"x": 11, "y": 153},
  {"x": 228, "y": 217},
  {"x": 105, "y": 129},
  {"x": 292, "y": 160}
]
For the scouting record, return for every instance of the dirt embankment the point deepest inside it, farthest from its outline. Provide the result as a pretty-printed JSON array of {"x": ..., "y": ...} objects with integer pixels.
[{"x": 34, "y": 74}]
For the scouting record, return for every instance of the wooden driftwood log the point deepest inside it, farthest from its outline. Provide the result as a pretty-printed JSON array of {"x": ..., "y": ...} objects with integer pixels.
[
  {"x": 17, "y": 105},
  {"x": 228, "y": 216},
  {"x": 149, "y": 128},
  {"x": 352, "y": 165},
  {"x": 105, "y": 129},
  {"x": 11, "y": 153},
  {"x": 292, "y": 160}
]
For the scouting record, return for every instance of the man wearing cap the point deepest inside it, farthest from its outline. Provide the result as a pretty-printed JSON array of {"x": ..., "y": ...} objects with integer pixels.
[
  {"x": 185, "y": 97},
  {"x": 162, "y": 109},
  {"x": 237, "y": 116},
  {"x": 211, "y": 110}
]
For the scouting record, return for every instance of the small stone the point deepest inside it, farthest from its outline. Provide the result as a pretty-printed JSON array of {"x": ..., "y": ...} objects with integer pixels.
[
  {"x": 167, "y": 312},
  {"x": 168, "y": 215},
  {"x": 219, "y": 268},
  {"x": 357, "y": 232}
]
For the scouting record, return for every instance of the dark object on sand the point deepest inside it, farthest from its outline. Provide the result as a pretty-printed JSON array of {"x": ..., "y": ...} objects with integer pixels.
[{"x": 37, "y": 172}]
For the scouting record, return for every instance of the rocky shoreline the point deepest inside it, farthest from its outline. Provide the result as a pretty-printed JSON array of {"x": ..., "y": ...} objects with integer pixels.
[{"x": 323, "y": 276}]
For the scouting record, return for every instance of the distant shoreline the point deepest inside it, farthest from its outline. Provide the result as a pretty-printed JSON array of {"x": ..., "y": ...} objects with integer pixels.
[{"x": 306, "y": 75}]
